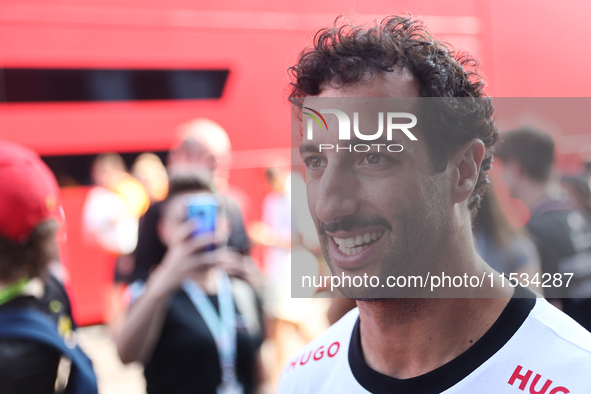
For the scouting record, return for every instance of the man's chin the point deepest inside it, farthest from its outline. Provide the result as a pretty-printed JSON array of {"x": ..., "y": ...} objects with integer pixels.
[
  {"x": 369, "y": 299},
  {"x": 380, "y": 291},
  {"x": 377, "y": 293}
]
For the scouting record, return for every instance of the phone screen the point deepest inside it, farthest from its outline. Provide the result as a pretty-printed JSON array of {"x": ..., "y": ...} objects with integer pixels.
[{"x": 203, "y": 209}]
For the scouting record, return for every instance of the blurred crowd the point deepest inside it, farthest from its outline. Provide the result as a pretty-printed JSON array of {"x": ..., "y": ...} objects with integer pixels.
[
  {"x": 135, "y": 215},
  {"x": 185, "y": 272}
]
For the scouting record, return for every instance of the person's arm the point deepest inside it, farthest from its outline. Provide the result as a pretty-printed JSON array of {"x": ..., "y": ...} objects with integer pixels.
[
  {"x": 149, "y": 253},
  {"x": 143, "y": 324},
  {"x": 141, "y": 329}
]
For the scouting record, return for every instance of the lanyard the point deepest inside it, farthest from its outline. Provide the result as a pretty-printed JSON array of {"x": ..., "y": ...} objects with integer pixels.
[
  {"x": 13, "y": 290},
  {"x": 222, "y": 326}
]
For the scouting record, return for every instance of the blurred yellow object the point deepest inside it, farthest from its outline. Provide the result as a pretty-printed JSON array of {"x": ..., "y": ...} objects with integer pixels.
[
  {"x": 134, "y": 195},
  {"x": 150, "y": 171}
]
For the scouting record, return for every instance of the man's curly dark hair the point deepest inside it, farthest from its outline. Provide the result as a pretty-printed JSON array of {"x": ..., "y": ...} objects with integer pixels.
[{"x": 346, "y": 54}]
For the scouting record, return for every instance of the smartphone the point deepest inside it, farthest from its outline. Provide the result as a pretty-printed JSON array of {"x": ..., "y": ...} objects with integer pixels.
[{"x": 203, "y": 209}]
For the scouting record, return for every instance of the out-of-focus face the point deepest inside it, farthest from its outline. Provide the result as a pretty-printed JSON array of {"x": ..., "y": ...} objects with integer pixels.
[
  {"x": 377, "y": 213},
  {"x": 173, "y": 216},
  {"x": 512, "y": 177},
  {"x": 277, "y": 181},
  {"x": 104, "y": 175},
  {"x": 193, "y": 155}
]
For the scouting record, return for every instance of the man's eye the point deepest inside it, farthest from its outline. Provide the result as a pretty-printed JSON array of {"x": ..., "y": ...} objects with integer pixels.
[
  {"x": 313, "y": 162},
  {"x": 372, "y": 158}
]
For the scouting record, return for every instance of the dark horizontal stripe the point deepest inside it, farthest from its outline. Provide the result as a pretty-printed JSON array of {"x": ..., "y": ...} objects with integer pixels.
[
  {"x": 74, "y": 170},
  {"x": 59, "y": 85}
]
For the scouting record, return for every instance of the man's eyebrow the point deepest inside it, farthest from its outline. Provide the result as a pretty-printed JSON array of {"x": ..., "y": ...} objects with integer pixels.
[{"x": 306, "y": 148}]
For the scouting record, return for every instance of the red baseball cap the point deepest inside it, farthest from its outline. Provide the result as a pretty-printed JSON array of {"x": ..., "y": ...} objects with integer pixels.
[{"x": 29, "y": 193}]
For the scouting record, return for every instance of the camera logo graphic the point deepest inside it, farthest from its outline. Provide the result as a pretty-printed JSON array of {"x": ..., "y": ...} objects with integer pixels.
[{"x": 390, "y": 118}]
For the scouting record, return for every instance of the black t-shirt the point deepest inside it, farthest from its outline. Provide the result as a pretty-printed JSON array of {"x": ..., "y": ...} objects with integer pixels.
[
  {"x": 186, "y": 359},
  {"x": 150, "y": 250},
  {"x": 27, "y": 366},
  {"x": 563, "y": 237}
]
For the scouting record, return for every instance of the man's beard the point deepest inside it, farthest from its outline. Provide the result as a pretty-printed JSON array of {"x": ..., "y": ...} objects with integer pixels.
[{"x": 414, "y": 238}]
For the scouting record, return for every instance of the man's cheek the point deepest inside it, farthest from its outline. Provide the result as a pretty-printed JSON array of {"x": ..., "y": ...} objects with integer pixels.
[{"x": 312, "y": 200}]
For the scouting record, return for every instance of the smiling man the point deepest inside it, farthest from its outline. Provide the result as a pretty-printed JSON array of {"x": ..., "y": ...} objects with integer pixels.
[
  {"x": 387, "y": 206},
  {"x": 383, "y": 206}
]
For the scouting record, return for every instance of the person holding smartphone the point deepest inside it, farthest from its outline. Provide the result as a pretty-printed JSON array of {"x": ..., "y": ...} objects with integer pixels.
[{"x": 193, "y": 328}]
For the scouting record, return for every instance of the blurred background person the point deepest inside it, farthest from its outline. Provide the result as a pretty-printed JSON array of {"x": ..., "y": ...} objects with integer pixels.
[
  {"x": 150, "y": 171},
  {"x": 204, "y": 149},
  {"x": 204, "y": 145},
  {"x": 561, "y": 232},
  {"x": 36, "y": 327},
  {"x": 289, "y": 237},
  {"x": 114, "y": 205},
  {"x": 194, "y": 329},
  {"x": 578, "y": 189},
  {"x": 505, "y": 248},
  {"x": 274, "y": 232},
  {"x": 110, "y": 219}
]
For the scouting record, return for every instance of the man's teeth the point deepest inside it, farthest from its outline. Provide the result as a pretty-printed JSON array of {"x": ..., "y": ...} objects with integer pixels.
[{"x": 354, "y": 245}]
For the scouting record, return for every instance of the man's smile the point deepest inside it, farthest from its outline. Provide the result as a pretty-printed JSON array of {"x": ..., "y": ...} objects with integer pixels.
[
  {"x": 356, "y": 244},
  {"x": 350, "y": 250}
]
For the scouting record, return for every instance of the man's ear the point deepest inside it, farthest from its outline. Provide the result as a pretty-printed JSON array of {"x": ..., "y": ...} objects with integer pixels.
[{"x": 466, "y": 169}]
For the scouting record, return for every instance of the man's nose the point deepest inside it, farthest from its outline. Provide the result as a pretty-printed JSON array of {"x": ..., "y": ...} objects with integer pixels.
[{"x": 337, "y": 194}]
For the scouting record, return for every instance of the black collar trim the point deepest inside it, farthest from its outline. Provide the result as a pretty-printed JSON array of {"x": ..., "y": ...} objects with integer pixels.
[{"x": 453, "y": 372}]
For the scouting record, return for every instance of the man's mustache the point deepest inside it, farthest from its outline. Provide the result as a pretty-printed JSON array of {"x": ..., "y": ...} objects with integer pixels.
[{"x": 348, "y": 223}]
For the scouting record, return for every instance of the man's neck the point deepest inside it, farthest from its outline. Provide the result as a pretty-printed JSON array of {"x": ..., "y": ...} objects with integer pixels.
[{"x": 405, "y": 338}]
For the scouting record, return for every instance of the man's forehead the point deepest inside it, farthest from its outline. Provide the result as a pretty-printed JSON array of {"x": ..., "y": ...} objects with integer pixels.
[
  {"x": 378, "y": 101},
  {"x": 369, "y": 95}
]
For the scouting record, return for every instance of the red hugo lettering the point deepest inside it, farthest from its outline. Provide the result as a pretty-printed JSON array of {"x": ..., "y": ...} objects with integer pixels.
[
  {"x": 535, "y": 387},
  {"x": 315, "y": 355}
]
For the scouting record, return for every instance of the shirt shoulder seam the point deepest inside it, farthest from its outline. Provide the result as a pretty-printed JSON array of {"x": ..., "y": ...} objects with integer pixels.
[{"x": 560, "y": 336}]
